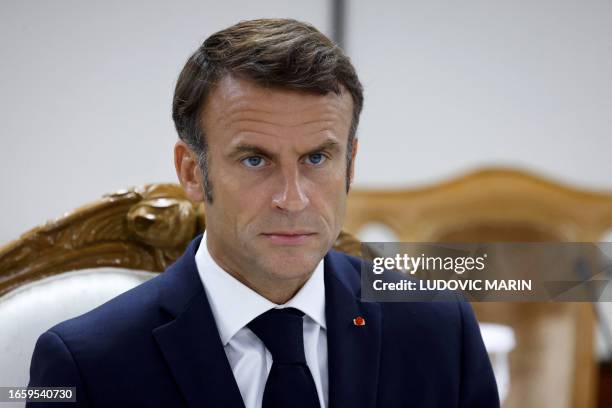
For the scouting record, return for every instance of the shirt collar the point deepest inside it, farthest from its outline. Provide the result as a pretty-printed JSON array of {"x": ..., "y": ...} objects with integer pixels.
[{"x": 234, "y": 304}]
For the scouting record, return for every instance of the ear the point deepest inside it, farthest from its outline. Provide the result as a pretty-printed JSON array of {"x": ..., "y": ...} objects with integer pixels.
[
  {"x": 353, "y": 155},
  {"x": 188, "y": 171}
]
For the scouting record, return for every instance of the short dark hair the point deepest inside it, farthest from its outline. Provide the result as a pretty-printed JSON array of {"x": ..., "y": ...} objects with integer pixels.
[{"x": 282, "y": 53}]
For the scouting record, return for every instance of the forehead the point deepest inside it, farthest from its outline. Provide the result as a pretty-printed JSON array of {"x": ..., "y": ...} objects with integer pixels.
[{"x": 236, "y": 103}]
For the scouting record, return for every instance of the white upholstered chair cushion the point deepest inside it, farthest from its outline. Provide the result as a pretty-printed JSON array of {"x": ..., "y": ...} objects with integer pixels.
[{"x": 30, "y": 310}]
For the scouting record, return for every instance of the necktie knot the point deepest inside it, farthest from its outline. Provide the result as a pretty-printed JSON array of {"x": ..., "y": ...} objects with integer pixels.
[{"x": 281, "y": 331}]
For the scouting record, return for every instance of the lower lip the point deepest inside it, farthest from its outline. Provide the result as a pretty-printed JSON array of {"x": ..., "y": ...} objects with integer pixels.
[{"x": 288, "y": 239}]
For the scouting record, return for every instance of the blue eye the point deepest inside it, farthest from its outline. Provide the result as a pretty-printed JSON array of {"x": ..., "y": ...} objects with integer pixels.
[
  {"x": 316, "y": 158},
  {"x": 253, "y": 161}
]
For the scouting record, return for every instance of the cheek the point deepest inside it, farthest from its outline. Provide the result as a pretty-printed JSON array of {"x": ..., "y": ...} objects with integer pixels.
[
  {"x": 241, "y": 201},
  {"x": 331, "y": 201}
]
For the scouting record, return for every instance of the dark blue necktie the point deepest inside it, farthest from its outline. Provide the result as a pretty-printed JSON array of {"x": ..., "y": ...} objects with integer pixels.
[{"x": 290, "y": 383}]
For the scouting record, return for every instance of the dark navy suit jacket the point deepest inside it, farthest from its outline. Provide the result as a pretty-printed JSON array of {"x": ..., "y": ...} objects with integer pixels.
[{"x": 157, "y": 345}]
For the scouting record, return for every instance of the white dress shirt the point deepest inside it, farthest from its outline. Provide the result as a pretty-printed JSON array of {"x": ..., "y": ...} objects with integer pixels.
[{"x": 234, "y": 305}]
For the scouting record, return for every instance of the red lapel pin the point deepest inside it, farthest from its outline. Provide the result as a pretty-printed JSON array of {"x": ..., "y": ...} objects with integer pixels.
[{"x": 359, "y": 321}]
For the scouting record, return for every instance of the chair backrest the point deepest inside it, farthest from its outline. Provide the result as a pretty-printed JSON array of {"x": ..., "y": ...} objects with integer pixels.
[{"x": 553, "y": 362}]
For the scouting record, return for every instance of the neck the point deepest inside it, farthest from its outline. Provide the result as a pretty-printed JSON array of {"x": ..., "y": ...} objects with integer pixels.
[{"x": 276, "y": 291}]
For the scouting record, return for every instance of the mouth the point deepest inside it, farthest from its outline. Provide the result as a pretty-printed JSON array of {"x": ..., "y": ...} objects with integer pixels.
[{"x": 289, "y": 237}]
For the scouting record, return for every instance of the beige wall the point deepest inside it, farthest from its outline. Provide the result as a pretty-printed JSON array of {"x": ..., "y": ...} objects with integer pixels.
[{"x": 459, "y": 84}]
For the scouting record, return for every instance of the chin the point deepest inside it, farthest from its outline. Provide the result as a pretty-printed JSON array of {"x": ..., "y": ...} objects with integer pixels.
[{"x": 293, "y": 265}]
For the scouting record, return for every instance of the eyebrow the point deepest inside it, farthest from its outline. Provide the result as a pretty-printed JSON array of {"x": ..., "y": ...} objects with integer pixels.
[{"x": 329, "y": 144}]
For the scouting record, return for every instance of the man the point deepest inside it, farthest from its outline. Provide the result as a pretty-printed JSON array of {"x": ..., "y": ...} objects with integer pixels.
[{"x": 259, "y": 311}]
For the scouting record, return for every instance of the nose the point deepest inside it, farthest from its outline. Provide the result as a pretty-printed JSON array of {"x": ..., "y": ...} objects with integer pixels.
[{"x": 291, "y": 196}]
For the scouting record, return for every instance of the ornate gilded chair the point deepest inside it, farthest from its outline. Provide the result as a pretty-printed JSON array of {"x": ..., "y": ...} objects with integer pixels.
[{"x": 553, "y": 364}]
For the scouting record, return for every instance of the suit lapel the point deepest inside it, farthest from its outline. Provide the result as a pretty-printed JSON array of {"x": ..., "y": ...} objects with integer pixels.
[
  {"x": 353, "y": 351},
  {"x": 190, "y": 342}
]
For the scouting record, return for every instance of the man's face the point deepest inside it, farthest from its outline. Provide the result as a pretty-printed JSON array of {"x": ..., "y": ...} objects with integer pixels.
[{"x": 277, "y": 167}]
